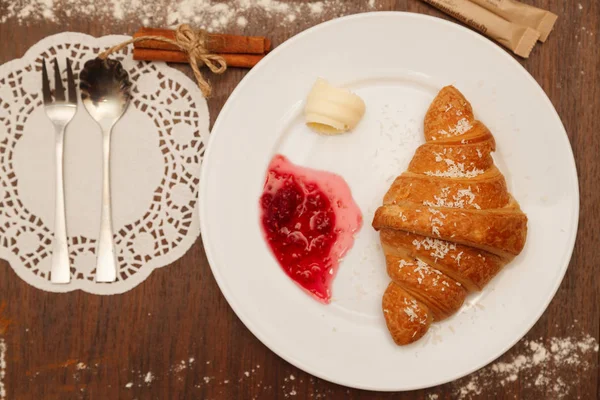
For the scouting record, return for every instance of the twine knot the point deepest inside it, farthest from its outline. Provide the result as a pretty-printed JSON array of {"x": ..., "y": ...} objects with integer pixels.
[
  {"x": 194, "y": 44},
  {"x": 191, "y": 42}
]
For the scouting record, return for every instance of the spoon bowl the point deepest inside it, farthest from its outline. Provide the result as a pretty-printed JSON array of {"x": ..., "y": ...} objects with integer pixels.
[{"x": 105, "y": 90}]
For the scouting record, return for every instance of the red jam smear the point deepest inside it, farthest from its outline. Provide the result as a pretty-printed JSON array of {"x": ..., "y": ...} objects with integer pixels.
[{"x": 309, "y": 219}]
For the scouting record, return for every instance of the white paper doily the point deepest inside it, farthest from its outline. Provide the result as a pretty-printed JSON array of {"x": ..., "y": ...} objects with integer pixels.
[{"x": 156, "y": 153}]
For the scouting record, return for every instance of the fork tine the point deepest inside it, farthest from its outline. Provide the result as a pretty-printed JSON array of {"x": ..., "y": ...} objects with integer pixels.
[
  {"x": 45, "y": 84},
  {"x": 71, "y": 83},
  {"x": 59, "y": 89}
]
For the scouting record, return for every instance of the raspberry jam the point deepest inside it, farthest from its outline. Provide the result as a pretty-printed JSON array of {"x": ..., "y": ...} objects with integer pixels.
[{"x": 309, "y": 219}]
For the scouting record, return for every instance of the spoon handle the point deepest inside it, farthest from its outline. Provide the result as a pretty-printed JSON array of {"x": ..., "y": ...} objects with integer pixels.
[
  {"x": 106, "y": 268},
  {"x": 60, "y": 271}
]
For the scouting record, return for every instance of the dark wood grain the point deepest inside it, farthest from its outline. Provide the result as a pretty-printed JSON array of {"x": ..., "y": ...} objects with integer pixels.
[{"x": 178, "y": 326}]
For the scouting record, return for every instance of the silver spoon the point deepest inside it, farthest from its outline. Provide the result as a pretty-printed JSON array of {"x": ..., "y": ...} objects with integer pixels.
[{"x": 105, "y": 92}]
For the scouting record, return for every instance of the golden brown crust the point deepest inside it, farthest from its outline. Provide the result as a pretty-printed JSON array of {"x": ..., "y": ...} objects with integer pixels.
[
  {"x": 499, "y": 231},
  {"x": 449, "y": 218},
  {"x": 406, "y": 319},
  {"x": 445, "y": 113},
  {"x": 477, "y": 133},
  {"x": 455, "y": 193},
  {"x": 442, "y": 295},
  {"x": 472, "y": 267},
  {"x": 442, "y": 158}
]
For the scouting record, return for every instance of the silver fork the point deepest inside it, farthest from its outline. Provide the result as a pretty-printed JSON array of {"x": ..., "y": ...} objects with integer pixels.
[{"x": 60, "y": 111}]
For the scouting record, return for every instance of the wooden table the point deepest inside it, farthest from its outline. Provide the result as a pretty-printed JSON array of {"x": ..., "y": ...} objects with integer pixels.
[{"x": 178, "y": 326}]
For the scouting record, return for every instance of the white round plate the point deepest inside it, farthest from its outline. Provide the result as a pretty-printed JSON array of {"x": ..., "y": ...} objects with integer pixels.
[{"x": 396, "y": 62}]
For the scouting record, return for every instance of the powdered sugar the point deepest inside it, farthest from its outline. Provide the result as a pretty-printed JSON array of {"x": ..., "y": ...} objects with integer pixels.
[
  {"x": 455, "y": 170},
  {"x": 411, "y": 313},
  {"x": 462, "y": 126},
  {"x": 441, "y": 200},
  {"x": 467, "y": 194},
  {"x": 411, "y": 309},
  {"x": 424, "y": 270},
  {"x": 402, "y": 216},
  {"x": 149, "y": 378},
  {"x": 436, "y": 220},
  {"x": 462, "y": 198},
  {"x": 208, "y": 14},
  {"x": 540, "y": 366},
  {"x": 316, "y": 8},
  {"x": 439, "y": 156},
  {"x": 469, "y": 389},
  {"x": 438, "y": 248},
  {"x": 457, "y": 257},
  {"x": 437, "y": 212},
  {"x": 242, "y": 22}
]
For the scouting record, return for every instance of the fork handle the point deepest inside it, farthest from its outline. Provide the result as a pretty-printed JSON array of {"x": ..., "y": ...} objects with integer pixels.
[
  {"x": 60, "y": 270},
  {"x": 106, "y": 267}
]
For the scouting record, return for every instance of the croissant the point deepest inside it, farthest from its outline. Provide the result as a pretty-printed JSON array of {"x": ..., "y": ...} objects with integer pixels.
[{"x": 448, "y": 224}]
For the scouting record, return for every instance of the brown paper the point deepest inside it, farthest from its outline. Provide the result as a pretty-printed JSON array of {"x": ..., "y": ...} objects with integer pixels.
[
  {"x": 524, "y": 14},
  {"x": 520, "y": 39}
]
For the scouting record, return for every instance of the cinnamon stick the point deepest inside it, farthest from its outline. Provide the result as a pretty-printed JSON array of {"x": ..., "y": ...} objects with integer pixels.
[
  {"x": 216, "y": 43},
  {"x": 232, "y": 60}
]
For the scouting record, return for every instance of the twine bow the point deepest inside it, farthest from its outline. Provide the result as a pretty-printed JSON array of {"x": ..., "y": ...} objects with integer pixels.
[{"x": 191, "y": 42}]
